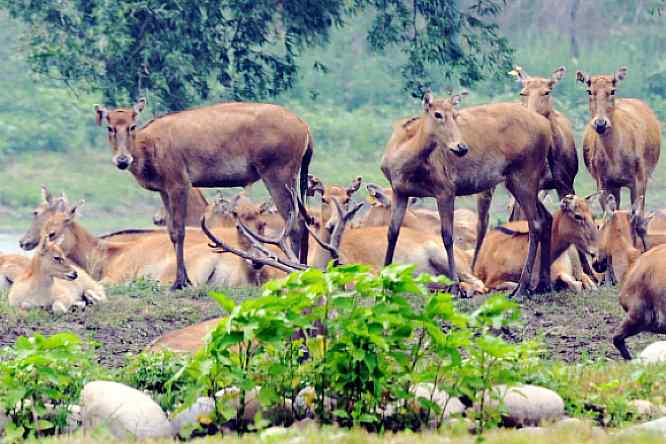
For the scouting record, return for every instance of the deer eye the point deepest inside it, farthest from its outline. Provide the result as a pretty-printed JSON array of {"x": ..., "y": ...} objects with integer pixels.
[
  {"x": 58, "y": 259},
  {"x": 612, "y": 93},
  {"x": 438, "y": 115},
  {"x": 132, "y": 128},
  {"x": 35, "y": 213},
  {"x": 52, "y": 235},
  {"x": 111, "y": 130},
  {"x": 589, "y": 93},
  {"x": 578, "y": 217},
  {"x": 524, "y": 93},
  {"x": 547, "y": 93}
]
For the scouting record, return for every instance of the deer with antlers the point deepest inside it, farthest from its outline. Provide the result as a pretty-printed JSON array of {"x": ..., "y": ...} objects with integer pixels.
[
  {"x": 223, "y": 145},
  {"x": 621, "y": 143},
  {"x": 446, "y": 153}
]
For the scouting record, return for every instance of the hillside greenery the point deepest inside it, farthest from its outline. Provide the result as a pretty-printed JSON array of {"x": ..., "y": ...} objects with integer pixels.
[{"x": 47, "y": 132}]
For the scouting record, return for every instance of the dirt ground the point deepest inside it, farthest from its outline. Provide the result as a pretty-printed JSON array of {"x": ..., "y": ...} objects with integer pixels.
[{"x": 572, "y": 326}]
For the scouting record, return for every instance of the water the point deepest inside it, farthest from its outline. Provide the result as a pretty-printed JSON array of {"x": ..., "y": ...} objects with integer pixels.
[{"x": 9, "y": 243}]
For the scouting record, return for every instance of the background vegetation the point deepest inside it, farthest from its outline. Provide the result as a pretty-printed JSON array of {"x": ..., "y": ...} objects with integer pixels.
[{"x": 47, "y": 132}]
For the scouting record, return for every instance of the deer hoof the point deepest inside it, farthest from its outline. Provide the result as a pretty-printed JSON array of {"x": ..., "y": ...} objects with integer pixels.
[
  {"x": 543, "y": 287},
  {"x": 181, "y": 284}
]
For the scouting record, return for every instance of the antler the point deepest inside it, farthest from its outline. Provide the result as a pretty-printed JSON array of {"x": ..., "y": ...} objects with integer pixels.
[{"x": 271, "y": 260}]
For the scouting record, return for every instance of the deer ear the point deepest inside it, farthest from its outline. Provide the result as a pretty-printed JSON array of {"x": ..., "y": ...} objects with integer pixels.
[
  {"x": 557, "y": 75},
  {"x": 47, "y": 197},
  {"x": 139, "y": 106},
  {"x": 101, "y": 113},
  {"x": 455, "y": 100},
  {"x": 355, "y": 185},
  {"x": 427, "y": 101},
  {"x": 620, "y": 74},
  {"x": 611, "y": 204},
  {"x": 567, "y": 203},
  {"x": 75, "y": 210},
  {"x": 583, "y": 78}
]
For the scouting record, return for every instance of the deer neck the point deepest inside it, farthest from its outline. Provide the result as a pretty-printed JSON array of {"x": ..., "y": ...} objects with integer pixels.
[
  {"x": 557, "y": 243},
  {"x": 39, "y": 280},
  {"x": 89, "y": 252},
  {"x": 321, "y": 255}
]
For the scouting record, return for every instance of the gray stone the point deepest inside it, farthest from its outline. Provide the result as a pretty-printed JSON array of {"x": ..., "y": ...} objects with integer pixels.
[
  {"x": 450, "y": 405},
  {"x": 276, "y": 414},
  {"x": 657, "y": 427},
  {"x": 126, "y": 412},
  {"x": 526, "y": 405},
  {"x": 644, "y": 409},
  {"x": 653, "y": 353},
  {"x": 202, "y": 407},
  {"x": 305, "y": 403}
]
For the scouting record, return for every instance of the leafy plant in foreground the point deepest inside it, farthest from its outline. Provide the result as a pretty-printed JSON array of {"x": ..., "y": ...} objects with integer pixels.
[
  {"x": 370, "y": 338},
  {"x": 40, "y": 378}
]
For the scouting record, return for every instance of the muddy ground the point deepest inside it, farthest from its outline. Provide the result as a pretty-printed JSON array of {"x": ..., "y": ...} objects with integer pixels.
[{"x": 572, "y": 326}]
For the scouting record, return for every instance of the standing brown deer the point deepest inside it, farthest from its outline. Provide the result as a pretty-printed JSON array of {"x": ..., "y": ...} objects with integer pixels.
[
  {"x": 446, "y": 153},
  {"x": 562, "y": 157},
  {"x": 224, "y": 145},
  {"x": 622, "y": 141}
]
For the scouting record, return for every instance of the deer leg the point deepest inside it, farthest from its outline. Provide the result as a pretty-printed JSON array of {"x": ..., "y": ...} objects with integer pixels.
[
  {"x": 630, "y": 327},
  {"x": 177, "y": 209},
  {"x": 445, "y": 206},
  {"x": 483, "y": 201},
  {"x": 544, "y": 270},
  {"x": 527, "y": 198},
  {"x": 639, "y": 225},
  {"x": 284, "y": 203},
  {"x": 398, "y": 208}
]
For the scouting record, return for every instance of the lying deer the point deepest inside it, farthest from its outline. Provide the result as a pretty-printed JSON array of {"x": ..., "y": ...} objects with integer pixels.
[
  {"x": 446, "y": 153},
  {"x": 379, "y": 215},
  {"x": 622, "y": 141},
  {"x": 503, "y": 252},
  {"x": 11, "y": 266},
  {"x": 41, "y": 285},
  {"x": 228, "y": 144}
]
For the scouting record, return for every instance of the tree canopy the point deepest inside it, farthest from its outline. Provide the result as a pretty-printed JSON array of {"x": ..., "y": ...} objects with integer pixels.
[{"x": 186, "y": 51}]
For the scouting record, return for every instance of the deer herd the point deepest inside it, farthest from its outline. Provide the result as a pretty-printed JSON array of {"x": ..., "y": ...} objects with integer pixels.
[{"x": 445, "y": 152}]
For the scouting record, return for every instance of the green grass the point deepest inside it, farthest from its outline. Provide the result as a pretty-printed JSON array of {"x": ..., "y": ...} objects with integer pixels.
[{"x": 581, "y": 434}]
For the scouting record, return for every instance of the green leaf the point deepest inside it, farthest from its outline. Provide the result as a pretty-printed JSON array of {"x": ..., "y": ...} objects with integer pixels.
[{"x": 224, "y": 301}]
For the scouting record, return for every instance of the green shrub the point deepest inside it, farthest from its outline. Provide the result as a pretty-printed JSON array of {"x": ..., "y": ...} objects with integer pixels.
[
  {"x": 152, "y": 371},
  {"x": 40, "y": 378},
  {"x": 370, "y": 338}
]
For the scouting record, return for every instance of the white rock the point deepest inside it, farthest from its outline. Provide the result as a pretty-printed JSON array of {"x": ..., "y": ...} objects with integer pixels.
[
  {"x": 125, "y": 411},
  {"x": 273, "y": 433},
  {"x": 305, "y": 403},
  {"x": 526, "y": 405},
  {"x": 658, "y": 427},
  {"x": 231, "y": 396},
  {"x": 4, "y": 419},
  {"x": 202, "y": 407},
  {"x": 644, "y": 409},
  {"x": 653, "y": 353},
  {"x": 450, "y": 405}
]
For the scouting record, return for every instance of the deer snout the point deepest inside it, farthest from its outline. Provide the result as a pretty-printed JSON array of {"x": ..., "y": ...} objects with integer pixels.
[
  {"x": 27, "y": 245},
  {"x": 601, "y": 125},
  {"x": 72, "y": 275},
  {"x": 460, "y": 149},
  {"x": 123, "y": 161}
]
